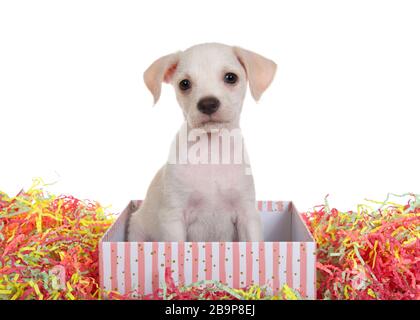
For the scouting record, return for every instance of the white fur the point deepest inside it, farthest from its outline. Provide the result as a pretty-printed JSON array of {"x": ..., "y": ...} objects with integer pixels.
[{"x": 204, "y": 202}]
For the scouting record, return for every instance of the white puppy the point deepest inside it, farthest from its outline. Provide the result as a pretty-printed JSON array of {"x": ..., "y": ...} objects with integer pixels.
[{"x": 205, "y": 191}]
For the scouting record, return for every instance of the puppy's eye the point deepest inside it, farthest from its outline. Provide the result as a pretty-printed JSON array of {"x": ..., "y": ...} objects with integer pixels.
[
  {"x": 184, "y": 84},
  {"x": 231, "y": 78}
]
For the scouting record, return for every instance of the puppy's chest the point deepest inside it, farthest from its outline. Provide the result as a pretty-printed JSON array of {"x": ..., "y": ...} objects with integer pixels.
[
  {"x": 212, "y": 197},
  {"x": 211, "y": 180}
]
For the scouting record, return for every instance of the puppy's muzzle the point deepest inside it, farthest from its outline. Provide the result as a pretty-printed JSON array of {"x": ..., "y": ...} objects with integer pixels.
[{"x": 208, "y": 105}]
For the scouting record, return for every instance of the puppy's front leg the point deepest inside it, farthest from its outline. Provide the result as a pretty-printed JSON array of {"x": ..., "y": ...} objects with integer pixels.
[
  {"x": 249, "y": 225},
  {"x": 172, "y": 227}
]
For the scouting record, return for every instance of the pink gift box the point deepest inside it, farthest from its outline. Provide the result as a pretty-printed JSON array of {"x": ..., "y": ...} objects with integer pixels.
[{"x": 286, "y": 256}]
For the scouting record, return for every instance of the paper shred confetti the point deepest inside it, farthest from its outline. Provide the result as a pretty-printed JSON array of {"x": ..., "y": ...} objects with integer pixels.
[
  {"x": 49, "y": 250},
  {"x": 49, "y": 245},
  {"x": 370, "y": 253},
  {"x": 215, "y": 290}
]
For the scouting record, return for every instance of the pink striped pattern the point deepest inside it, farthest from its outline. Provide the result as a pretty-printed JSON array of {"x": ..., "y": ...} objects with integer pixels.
[
  {"x": 276, "y": 267},
  {"x": 236, "y": 266},
  {"x": 141, "y": 269},
  {"x": 222, "y": 262},
  {"x": 303, "y": 265},
  {"x": 209, "y": 260},
  {"x": 114, "y": 284},
  {"x": 289, "y": 264},
  {"x": 127, "y": 266},
  {"x": 261, "y": 263},
  {"x": 194, "y": 250},
  {"x": 149, "y": 267},
  {"x": 249, "y": 270},
  {"x": 181, "y": 263},
  {"x": 138, "y": 268}
]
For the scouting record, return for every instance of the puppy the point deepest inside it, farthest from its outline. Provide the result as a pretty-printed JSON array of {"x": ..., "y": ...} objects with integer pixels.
[{"x": 205, "y": 192}]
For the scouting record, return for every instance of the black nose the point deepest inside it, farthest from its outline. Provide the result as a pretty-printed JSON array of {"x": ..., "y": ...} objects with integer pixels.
[{"x": 208, "y": 105}]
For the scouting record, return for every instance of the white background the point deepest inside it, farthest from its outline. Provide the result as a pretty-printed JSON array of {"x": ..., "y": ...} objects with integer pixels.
[{"x": 341, "y": 117}]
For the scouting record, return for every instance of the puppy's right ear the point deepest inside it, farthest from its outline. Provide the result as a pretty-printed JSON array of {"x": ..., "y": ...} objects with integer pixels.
[
  {"x": 260, "y": 70},
  {"x": 160, "y": 70}
]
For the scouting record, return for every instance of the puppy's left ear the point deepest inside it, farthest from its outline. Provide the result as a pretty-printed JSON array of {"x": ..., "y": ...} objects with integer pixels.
[
  {"x": 160, "y": 71},
  {"x": 260, "y": 70}
]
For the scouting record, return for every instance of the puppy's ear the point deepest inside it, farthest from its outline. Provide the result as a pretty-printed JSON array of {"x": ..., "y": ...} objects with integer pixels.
[
  {"x": 260, "y": 70},
  {"x": 160, "y": 71}
]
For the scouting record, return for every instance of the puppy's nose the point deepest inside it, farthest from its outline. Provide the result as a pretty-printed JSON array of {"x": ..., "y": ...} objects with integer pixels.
[{"x": 208, "y": 105}]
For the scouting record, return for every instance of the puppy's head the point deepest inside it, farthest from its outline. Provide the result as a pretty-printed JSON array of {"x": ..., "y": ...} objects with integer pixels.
[{"x": 210, "y": 82}]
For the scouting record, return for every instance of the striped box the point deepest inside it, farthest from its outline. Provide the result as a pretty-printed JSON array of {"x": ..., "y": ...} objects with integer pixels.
[{"x": 286, "y": 256}]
